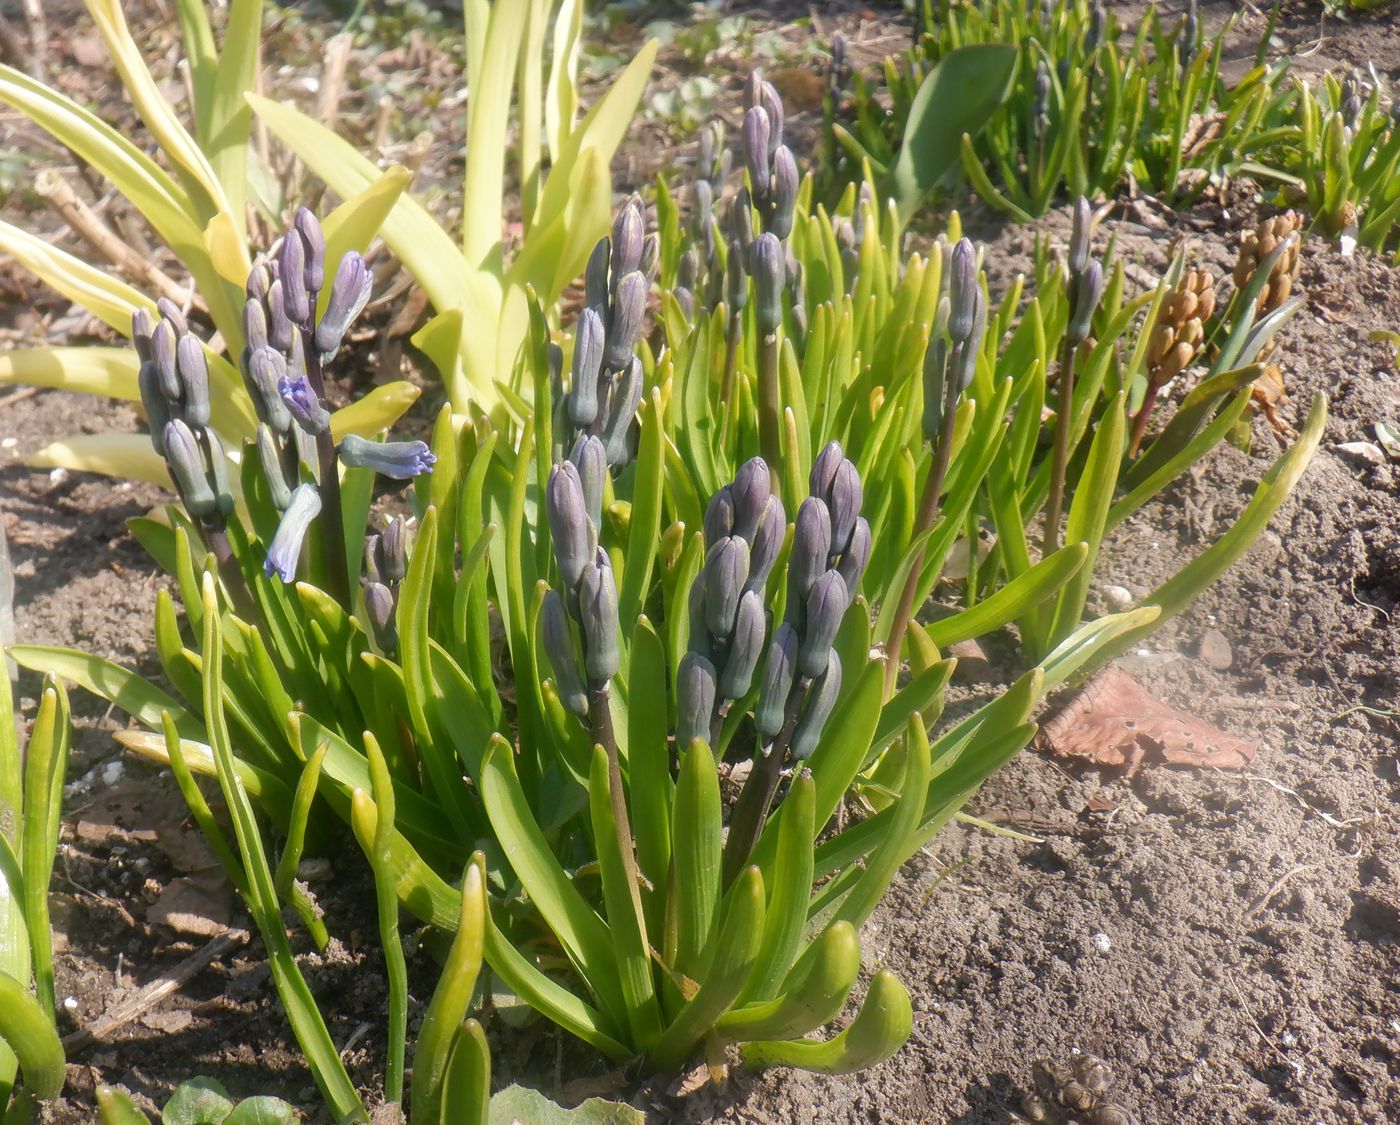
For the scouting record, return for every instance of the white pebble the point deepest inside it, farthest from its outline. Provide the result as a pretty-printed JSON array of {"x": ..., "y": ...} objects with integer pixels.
[
  {"x": 112, "y": 772},
  {"x": 58, "y": 476},
  {"x": 70, "y": 1003},
  {"x": 1102, "y": 942},
  {"x": 9, "y": 443}
]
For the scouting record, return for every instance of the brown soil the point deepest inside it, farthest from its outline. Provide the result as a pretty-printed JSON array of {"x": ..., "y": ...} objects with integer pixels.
[{"x": 1228, "y": 942}]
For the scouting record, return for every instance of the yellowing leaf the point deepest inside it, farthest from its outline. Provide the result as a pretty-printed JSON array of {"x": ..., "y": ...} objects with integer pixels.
[
  {"x": 108, "y": 299},
  {"x": 128, "y": 456},
  {"x": 97, "y": 371},
  {"x": 375, "y": 412}
]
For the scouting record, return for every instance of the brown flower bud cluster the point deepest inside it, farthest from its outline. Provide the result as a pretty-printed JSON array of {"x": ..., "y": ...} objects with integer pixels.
[
  {"x": 1179, "y": 330},
  {"x": 1258, "y": 244},
  {"x": 1073, "y": 1095}
]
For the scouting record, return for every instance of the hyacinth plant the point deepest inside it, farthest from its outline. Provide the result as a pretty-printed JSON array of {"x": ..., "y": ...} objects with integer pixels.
[{"x": 1088, "y": 108}]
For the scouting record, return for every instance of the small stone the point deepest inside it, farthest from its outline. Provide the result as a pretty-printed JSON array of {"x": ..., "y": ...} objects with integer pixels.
[
  {"x": 1361, "y": 452},
  {"x": 973, "y": 665},
  {"x": 1215, "y": 650},
  {"x": 1119, "y": 598},
  {"x": 1101, "y": 942}
]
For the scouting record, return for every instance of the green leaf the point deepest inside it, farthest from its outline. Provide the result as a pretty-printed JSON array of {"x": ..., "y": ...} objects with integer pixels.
[
  {"x": 30, "y": 1034},
  {"x": 957, "y": 96},
  {"x": 198, "y": 1101},
  {"x": 142, "y": 701},
  {"x": 521, "y": 1104},
  {"x": 1013, "y": 600}
]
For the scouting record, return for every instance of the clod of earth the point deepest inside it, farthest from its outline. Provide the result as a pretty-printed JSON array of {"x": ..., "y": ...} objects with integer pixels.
[{"x": 1115, "y": 721}]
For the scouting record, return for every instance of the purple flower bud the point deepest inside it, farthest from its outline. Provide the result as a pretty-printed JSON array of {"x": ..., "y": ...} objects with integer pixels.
[
  {"x": 784, "y": 200},
  {"x": 185, "y": 460},
  {"x": 736, "y": 282},
  {"x": 753, "y": 89},
  {"x": 259, "y": 281},
  {"x": 767, "y": 542},
  {"x": 772, "y": 104},
  {"x": 629, "y": 307},
  {"x": 588, "y": 361},
  {"x": 688, "y": 270},
  {"x": 313, "y": 247},
  {"x": 271, "y": 463},
  {"x": 267, "y": 368},
  {"x": 622, "y": 412},
  {"x": 1079, "y": 237},
  {"x": 397, "y": 460},
  {"x": 285, "y": 549},
  {"x": 350, "y": 293},
  {"x": 844, "y": 500},
  {"x": 597, "y": 613},
  {"x": 719, "y": 517},
  {"x": 254, "y": 326},
  {"x": 824, "y": 470},
  {"x": 963, "y": 291},
  {"x": 595, "y": 277},
  {"x": 821, "y": 701},
  {"x": 170, "y": 311},
  {"x": 591, "y": 459},
  {"x": 279, "y": 325},
  {"x": 935, "y": 387},
  {"x": 154, "y": 401},
  {"x": 769, "y": 271},
  {"x": 779, "y": 671},
  {"x": 559, "y": 647},
  {"x": 628, "y": 231},
  {"x": 569, "y": 528},
  {"x": 811, "y": 550},
  {"x": 750, "y": 491},
  {"x": 1088, "y": 290},
  {"x": 379, "y": 608},
  {"x": 392, "y": 549},
  {"x": 194, "y": 380},
  {"x": 726, "y": 573},
  {"x": 855, "y": 558},
  {"x": 745, "y": 647},
  {"x": 826, "y": 606},
  {"x": 304, "y": 404},
  {"x": 695, "y": 699},
  {"x": 292, "y": 275},
  {"x": 142, "y": 325},
  {"x": 756, "y": 134},
  {"x": 163, "y": 354}
]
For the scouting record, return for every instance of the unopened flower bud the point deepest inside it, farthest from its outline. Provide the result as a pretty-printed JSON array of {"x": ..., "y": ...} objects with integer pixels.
[
  {"x": 186, "y": 463},
  {"x": 194, "y": 380},
  {"x": 163, "y": 354},
  {"x": 379, "y": 608},
  {"x": 629, "y": 307},
  {"x": 745, "y": 647},
  {"x": 595, "y": 277},
  {"x": 824, "y": 469},
  {"x": 267, "y": 368},
  {"x": 751, "y": 489},
  {"x": 736, "y": 283},
  {"x": 785, "y": 184},
  {"x": 1086, "y": 299},
  {"x": 559, "y": 647},
  {"x": 768, "y": 270},
  {"x": 156, "y": 405},
  {"x": 651, "y": 258},
  {"x": 719, "y": 517},
  {"x": 811, "y": 550},
  {"x": 855, "y": 558},
  {"x": 820, "y": 703},
  {"x": 285, "y": 549},
  {"x": 844, "y": 499},
  {"x": 591, "y": 460},
  {"x": 313, "y": 240},
  {"x": 142, "y": 325},
  {"x": 622, "y": 412},
  {"x": 1079, "y": 237},
  {"x": 569, "y": 529},
  {"x": 767, "y": 542},
  {"x": 392, "y": 554},
  {"x": 170, "y": 311},
  {"x": 588, "y": 361},
  {"x": 772, "y": 104},
  {"x": 597, "y": 611},
  {"x": 254, "y": 326},
  {"x": 279, "y": 325},
  {"x": 756, "y": 133},
  {"x": 271, "y": 462},
  {"x": 779, "y": 671},
  {"x": 695, "y": 699},
  {"x": 397, "y": 460},
  {"x": 826, "y": 606},
  {"x": 628, "y": 232},
  {"x": 259, "y": 281},
  {"x": 963, "y": 291},
  {"x": 292, "y": 275},
  {"x": 726, "y": 573}
]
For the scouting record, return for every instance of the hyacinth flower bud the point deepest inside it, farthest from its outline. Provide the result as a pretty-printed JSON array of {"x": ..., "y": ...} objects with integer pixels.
[
  {"x": 588, "y": 361},
  {"x": 811, "y": 550},
  {"x": 935, "y": 387},
  {"x": 164, "y": 344},
  {"x": 745, "y": 647},
  {"x": 285, "y": 549},
  {"x": 622, "y": 411},
  {"x": 379, "y": 608},
  {"x": 313, "y": 248},
  {"x": 371, "y": 558},
  {"x": 963, "y": 291},
  {"x": 154, "y": 402},
  {"x": 779, "y": 671},
  {"x": 855, "y": 558},
  {"x": 304, "y": 404},
  {"x": 186, "y": 463},
  {"x": 628, "y": 232},
  {"x": 719, "y": 517},
  {"x": 279, "y": 325},
  {"x": 397, "y": 460},
  {"x": 559, "y": 647},
  {"x": 696, "y": 688},
  {"x": 1088, "y": 290},
  {"x": 595, "y": 277},
  {"x": 739, "y": 220},
  {"x": 688, "y": 270},
  {"x": 768, "y": 269},
  {"x": 826, "y": 606},
  {"x": 259, "y": 281},
  {"x": 292, "y": 274},
  {"x": 350, "y": 293},
  {"x": 726, "y": 572},
  {"x": 751, "y": 488},
  {"x": 271, "y": 463},
  {"x": 1079, "y": 237},
  {"x": 767, "y": 542},
  {"x": 629, "y": 307},
  {"x": 701, "y": 207},
  {"x": 844, "y": 500},
  {"x": 707, "y": 148},
  {"x": 784, "y": 199},
  {"x": 170, "y": 311},
  {"x": 820, "y": 703},
  {"x": 569, "y": 529},
  {"x": 651, "y": 258},
  {"x": 772, "y": 104},
  {"x": 142, "y": 325},
  {"x": 217, "y": 464},
  {"x": 194, "y": 380},
  {"x": 392, "y": 551},
  {"x": 736, "y": 285},
  {"x": 591, "y": 460},
  {"x": 267, "y": 368},
  {"x": 824, "y": 468},
  {"x": 1040, "y": 105},
  {"x": 254, "y": 326},
  {"x": 755, "y": 135},
  {"x": 597, "y": 613}
]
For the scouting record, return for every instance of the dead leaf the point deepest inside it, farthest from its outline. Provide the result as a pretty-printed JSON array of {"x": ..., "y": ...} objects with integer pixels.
[
  {"x": 195, "y": 904},
  {"x": 168, "y": 1022},
  {"x": 690, "y": 1081},
  {"x": 1115, "y": 721}
]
